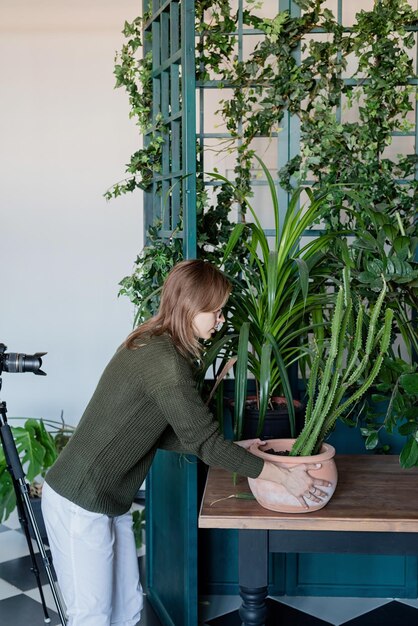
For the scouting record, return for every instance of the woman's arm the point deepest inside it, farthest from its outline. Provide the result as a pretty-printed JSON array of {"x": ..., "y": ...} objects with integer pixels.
[
  {"x": 298, "y": 481},
  {"x": 170, "y": 441},
  {"x": 195, "y": 430}
]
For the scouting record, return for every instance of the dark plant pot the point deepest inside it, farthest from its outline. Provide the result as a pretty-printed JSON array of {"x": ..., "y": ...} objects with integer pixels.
[{"x": 276, "y": 422}]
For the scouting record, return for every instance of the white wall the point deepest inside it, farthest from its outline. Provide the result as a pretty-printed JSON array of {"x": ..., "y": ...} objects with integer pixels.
[{"x": 65, "y": 137}]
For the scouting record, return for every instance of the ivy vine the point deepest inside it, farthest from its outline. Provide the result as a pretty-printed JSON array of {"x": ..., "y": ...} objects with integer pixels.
[
  {"x": 273, "y": 81},
  {"x": 292, "y": 70}
]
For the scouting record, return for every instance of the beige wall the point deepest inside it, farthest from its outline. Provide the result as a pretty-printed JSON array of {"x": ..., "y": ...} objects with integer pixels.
[{"x": 65, "y": 137}]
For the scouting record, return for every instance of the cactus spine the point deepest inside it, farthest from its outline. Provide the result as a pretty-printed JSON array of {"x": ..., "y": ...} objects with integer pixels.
[{"x": 326, "y": 392}]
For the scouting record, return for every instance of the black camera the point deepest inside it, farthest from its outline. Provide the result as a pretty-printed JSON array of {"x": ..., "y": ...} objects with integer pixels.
[{"x": 14, "y": 362}]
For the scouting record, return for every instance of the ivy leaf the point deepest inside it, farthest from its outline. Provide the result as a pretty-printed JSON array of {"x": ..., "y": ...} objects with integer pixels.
[
  {"x": 377, "y": 397},
  {"x": 30, "y": 451},
  {"x": 367, "y": 277},
  {"x": 400, "y": 244},
  {"x": 410, "y": 383},
  {"x": 409, "y": 454},
  {"x": 375, "y": 266},
  {"x": 410, "y": 428},
  {"x": 366, "y": 242},
  {"x": 372, "y": 441},
  {"x": 390, "y": 231}
]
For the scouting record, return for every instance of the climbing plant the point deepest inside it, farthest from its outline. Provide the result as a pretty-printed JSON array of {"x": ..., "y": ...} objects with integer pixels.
[{"x": 350, "y": 89}]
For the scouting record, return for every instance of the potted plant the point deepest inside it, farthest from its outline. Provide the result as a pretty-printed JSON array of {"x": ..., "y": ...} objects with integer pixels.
[
  {"x": 386, "y": 246},
  {"x": 353, "y": 356},
  {"x": 271, "y": 309},
  {"x": 393, "y": 410},
  {"x": 38, "y": 443}
]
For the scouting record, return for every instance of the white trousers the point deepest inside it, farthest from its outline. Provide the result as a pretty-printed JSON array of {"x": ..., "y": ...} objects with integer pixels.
[{"x": 95, "y": 560}]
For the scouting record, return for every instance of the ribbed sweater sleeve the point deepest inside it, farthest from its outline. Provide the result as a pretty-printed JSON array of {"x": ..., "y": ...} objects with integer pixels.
[
  {"x": 170, "y": 441},
  {"x": 197, "y": 431}
]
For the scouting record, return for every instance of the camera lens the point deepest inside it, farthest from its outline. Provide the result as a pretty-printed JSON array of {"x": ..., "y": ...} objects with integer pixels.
[{"x": 15, "y": 362}]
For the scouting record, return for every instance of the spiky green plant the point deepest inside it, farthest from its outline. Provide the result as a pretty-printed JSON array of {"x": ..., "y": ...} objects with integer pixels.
[
  {"x": 348, "y": 361},
  {"x": 271, "y": 301}
]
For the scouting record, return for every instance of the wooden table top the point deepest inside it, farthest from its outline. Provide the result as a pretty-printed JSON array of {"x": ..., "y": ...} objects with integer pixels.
[{"x": 373, "y": 494}]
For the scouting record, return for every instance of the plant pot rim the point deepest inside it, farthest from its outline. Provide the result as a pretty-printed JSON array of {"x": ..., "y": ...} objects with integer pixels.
[
  {"x": 280, "y": 400},
  {"x": 327, "y": 452}
]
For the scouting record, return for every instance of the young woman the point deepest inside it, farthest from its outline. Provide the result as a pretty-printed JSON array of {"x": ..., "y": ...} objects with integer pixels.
[{"x": 146, "y": 399}]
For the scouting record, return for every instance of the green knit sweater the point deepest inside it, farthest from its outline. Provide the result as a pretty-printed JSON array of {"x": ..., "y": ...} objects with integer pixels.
[{"x": 146, "y": 398}]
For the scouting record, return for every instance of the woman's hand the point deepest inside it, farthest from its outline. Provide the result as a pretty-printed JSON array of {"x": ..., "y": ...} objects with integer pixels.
[
  {"x": 297, "y": 481},
  {"x": 303, "y": 486},
  {"x": 247, "y": 443}
]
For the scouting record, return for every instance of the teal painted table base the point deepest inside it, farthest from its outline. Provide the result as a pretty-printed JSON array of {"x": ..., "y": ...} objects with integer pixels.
[{"x": 359, "y": 519}]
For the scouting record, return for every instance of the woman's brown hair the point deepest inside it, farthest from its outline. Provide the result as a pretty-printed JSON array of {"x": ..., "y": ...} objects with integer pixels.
[{"x": 190, "y": 288}]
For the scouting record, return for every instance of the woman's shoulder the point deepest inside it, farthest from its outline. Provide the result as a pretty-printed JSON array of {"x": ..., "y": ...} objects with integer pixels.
[
  {"x": 151, "y": 344},
  {"x": 158, "y": 359}
]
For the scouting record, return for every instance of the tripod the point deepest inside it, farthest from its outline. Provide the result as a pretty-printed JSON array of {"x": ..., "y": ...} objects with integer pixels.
[{"x": 26, "y": 513}]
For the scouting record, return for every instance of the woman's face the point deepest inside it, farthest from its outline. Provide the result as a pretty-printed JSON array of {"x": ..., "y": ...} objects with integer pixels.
[{"x": 205, "y": 324}]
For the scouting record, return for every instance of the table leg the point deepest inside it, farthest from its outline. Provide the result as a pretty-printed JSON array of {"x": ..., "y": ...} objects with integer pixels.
[{"x": 253, "y": 576}]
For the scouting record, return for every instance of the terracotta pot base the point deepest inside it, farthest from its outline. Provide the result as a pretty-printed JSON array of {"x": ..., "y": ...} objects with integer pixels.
[{"x": 275, "y": 497}]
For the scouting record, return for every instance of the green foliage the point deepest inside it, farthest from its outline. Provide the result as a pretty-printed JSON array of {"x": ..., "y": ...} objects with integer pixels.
[
  {"x": 151, "y": 267},
  {"x": 213, "y": 227},
  {"x": 379, "y": 96},
  {"x": 7, "y": 494},
  {"x": 159, "y": 255},
  {"x": 385, "y": 248},
  {"x": 271, "y": 81},
  {"x": 348, "y": 359},
  {"x": 35, "y": 447},
  {"x": 393, "y": 407},
  {"x": 38, "y": 449},
  {"x": 133, "y": 73},
  {"x": 345, "y": 155},
  {"x": 271, "y": 304}
]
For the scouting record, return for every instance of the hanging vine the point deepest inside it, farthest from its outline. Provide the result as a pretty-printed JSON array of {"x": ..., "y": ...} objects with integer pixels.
[
  {"x": 274, "y": 80},
  {"x": 292, "y": 71}
]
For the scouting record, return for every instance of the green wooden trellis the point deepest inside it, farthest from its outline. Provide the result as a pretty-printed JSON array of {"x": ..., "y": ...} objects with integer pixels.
[
  {"x": 172, "y": 487},
  {"x": 169, "y": 33},
  {"x": 288, "y": 140}
]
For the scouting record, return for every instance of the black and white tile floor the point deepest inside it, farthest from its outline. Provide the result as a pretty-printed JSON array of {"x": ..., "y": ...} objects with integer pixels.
[
  {"x": 319, "y": 611},
  {"x": 20, "y": 602}
]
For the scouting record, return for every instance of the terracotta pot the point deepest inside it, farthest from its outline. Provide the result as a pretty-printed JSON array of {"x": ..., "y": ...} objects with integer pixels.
[{"x": 276, "y": 497}]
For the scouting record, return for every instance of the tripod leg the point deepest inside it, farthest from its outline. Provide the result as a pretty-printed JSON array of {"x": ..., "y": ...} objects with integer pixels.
[
  {"x": 26, "y": 511},
  {"x": 25, "y": 527},
  {"x": 28, "y": 507}
]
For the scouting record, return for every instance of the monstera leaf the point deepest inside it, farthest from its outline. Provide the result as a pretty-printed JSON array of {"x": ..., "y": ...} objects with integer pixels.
[
  {"x": 37, "y": 452},
  {"x": 7, "y": 494},
  {"x": 35, "y": 446}
]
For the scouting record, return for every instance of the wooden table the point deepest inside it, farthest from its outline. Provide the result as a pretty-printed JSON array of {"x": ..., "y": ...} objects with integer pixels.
[{"x": 374, "y": 510}]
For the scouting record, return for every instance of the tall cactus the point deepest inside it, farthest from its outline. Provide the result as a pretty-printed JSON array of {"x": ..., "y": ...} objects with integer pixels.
[{"x": 327, "y": 394}]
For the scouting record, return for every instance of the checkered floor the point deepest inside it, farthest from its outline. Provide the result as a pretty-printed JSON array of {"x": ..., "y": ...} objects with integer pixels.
[
  {"x": 19, "y": 593},
  {"x": 20, "y": 600},
  {"x": 325, "y": 612}
]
